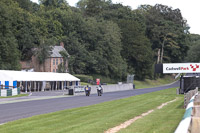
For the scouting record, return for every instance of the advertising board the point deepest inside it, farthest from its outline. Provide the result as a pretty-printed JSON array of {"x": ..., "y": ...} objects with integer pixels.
[
  {"x": 181, "y": 68},
  {"x": 79, "y": 89}
]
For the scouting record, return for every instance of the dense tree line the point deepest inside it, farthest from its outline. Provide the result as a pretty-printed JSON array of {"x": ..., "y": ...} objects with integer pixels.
[
  {"x": 194, "y": 51},
  {"x": 101, "y": 38}
]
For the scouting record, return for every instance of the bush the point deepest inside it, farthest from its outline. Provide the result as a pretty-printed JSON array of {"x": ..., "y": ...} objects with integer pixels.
[
  {"x": 84, "y": 78},
  {"x": 104, "y": 79},
  {"x": 92, "y": 79}
]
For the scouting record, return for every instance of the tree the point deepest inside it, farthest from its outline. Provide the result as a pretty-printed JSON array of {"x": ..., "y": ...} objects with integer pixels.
[
  {"x": 27, "y": 5},
  {"x": 102, "y": 38},
  {"x": 44, "y": 51},
  {"x": 93, "y": 8},
  {"x": 26, "y": 34},
  {"x": 194, "y": 39},
  {"x": 168, "y": 31},
  {"x": 134, "y": 43},
  {"x": 193, "y": 54},
  {"x": 54, "y": 3},
  {"x": 93, "y": 43},
  {"x": 62, "y": 66},
  {"x": 9, "y": 54},
  {"x": 108, "y": 51},
  {"x": 136, "y": 48}
]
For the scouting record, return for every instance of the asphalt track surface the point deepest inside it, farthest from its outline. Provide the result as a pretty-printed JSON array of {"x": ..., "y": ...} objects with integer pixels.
[{"x": 19, "y": 110}]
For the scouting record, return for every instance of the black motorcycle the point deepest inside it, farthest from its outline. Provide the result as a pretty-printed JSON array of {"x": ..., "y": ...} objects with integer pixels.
[{"x": 99, "y": 92}]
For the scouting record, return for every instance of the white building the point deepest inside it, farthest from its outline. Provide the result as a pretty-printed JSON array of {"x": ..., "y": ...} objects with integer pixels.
[{"x": 36, "y": 81}]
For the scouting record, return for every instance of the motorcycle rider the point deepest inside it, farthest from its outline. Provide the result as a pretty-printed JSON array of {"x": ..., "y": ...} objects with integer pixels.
[
  {"x": 87, "y": 90},
  {"x": 99, "y": 90}
]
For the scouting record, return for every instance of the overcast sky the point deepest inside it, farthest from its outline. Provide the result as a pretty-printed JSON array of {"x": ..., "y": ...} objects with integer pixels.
[{"x": 189, "y": 9}]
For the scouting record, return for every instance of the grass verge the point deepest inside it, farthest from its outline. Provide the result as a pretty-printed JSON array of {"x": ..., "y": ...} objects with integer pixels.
[
  {"x": 163, "y": 120},
  {"x": 100, "y": 117},
  {"x": 147, "y": 83},
  {"x": 20, "y": 95}
]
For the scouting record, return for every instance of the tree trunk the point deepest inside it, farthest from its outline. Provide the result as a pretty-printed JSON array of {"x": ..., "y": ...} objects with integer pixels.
[
  {"x": 161, "y": 60},
  {"x": 44, "y": 66},
  {"x": 162, "y": 52},
  {"x": 158, "y": 60}
]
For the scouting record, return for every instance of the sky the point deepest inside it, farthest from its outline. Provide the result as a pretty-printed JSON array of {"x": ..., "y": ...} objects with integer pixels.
[{"x": 189, "y": 9}]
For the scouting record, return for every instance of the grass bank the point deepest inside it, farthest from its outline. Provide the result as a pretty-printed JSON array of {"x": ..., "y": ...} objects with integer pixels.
[
  {"x": 147, "y": 83},
  {"x": 100, "y": 117}
]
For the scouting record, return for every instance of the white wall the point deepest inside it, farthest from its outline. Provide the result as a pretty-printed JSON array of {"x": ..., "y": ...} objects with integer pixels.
[{"x": 109, "y": 88}]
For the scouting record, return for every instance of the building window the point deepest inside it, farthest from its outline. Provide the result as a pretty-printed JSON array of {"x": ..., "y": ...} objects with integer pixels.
[
  {"x": 53, "y": 61},
  {"x": 60, "y": 60},
  {"x": 56, "y": 61},
  {"x": 53, "y": 70},
  {"x": 56, "y": 70}
]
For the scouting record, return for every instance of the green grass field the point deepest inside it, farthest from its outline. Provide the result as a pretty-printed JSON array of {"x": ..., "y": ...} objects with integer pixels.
[{"x": 100, "y": 117}]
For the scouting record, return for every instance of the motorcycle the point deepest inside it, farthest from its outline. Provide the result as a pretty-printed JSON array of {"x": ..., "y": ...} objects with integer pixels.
[
  {"x": 99, "y": 91},
  {"x": 87, "y": 93}
]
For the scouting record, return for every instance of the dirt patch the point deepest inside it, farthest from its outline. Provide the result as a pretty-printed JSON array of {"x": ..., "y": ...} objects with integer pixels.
[{"x": 129, "y": 122}]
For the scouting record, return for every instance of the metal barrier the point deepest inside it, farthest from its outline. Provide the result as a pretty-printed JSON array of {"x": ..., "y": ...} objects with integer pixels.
[
  {"x": 189, "y": 95},
  {"x": 185, "y": 123}
]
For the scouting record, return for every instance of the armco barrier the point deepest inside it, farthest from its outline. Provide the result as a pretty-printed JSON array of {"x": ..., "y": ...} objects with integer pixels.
[
  {"x": 188, "y": 96},
  {"x": 185, "y": 123}
]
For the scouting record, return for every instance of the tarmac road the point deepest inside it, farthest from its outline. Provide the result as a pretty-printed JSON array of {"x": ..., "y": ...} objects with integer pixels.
[{"x": 22, "y": 109}]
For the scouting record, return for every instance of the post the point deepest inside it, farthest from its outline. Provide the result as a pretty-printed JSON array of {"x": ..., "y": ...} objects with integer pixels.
[
  {"x": 30, "y": 85},
  {"x": 35, "y": 86},
  {"x": 181, "y": 84},
  {"x": 56, "y": 86},
  {"x": 26, "y": 86},
  {"x": 53, "y": 85},
  {"x": 43, "y": 85},
  {"x": 62, "y": 85},
  {"x": 65, "y": 85},
  {"x": 20, "y": 85},
  {"x": 38, "y": 85}
]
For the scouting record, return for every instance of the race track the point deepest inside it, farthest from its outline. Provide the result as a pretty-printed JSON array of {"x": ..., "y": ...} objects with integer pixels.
[{"x": 19, "y": 110}]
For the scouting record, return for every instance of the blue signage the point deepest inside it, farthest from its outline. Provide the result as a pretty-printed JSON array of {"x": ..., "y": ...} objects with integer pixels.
[{"x": 6, "y": 84}]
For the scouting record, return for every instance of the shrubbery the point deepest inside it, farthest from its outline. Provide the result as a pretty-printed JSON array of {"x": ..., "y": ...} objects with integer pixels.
[{"x": 84, "y": 78}]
